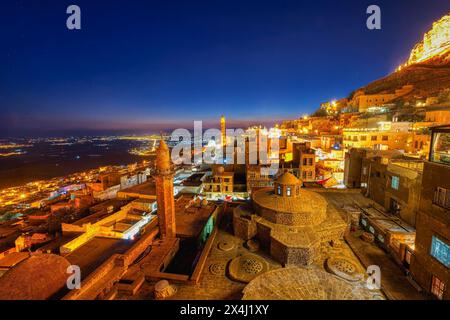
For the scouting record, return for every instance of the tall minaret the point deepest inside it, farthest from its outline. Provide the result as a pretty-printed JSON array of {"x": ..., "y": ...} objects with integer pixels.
[
  {"x": 164, "y": 192},
  {"x": 223, "y": 129}
]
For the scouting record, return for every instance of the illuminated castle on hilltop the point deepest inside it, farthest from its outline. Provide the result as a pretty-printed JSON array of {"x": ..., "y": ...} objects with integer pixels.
[{"x": 436, "y": 42}]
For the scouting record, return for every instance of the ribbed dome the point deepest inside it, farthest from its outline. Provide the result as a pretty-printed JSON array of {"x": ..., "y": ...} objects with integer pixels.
[
  {"x": 39, "y": 277},
  {"x": 288, "y": 178}
]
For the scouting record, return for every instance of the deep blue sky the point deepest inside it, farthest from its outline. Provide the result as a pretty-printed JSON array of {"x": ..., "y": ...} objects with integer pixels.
[{"x": 150, "y": 64}]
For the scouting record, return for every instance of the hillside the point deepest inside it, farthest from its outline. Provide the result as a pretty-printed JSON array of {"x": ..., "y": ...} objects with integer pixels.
[
  {"x": 430, "y": 79},
  {"x": 427, "y": 69}
]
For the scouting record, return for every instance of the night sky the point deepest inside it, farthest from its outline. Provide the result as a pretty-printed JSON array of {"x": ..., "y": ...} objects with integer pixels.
[{"x": 145, "y": 65}]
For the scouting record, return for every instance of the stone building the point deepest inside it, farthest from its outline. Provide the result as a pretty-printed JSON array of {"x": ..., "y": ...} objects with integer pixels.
[
  {"x": 289, "y": 221},
  {"x": 395, "y": 184},
  {"x": 303, "y": 164},
  {"x": 224, "y": 183},
  {"x": 219, "y": 182},
  {"x": 403, "y": 189},
  {"x": 257, "y": 177},
  {"x": 363, "y": 101},
  {"x": 381, "y": 135},
  {"x": 357, "y": 162},
  {"x": 431, "y": 259},
  {"x": 353, "y": 167}
]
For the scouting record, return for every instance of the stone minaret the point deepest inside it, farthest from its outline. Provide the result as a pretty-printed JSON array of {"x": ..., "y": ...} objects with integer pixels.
[
  {"x": 223, "y": 129},
  {"x": 164, "y": 192}
]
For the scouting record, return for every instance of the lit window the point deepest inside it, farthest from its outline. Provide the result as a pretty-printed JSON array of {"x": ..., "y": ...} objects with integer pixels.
[
  {"x": 288, "y": 191},
  {"x": 395, "y": 183},
  {"x": 439, "y": 147},
  {"x": 408, "y": 255},
  {"x": 437, "y": 287},
  {"x": 364, "y": 222},
  {"x": 441, "y": 251},
  {"x": 279, "y": 190},
  {"x": 372, "y": 230}
]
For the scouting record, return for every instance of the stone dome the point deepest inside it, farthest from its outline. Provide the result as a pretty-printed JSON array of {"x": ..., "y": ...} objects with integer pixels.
[
  {"x": 290, "y": 205},
  {"x": 288, "y": 178},
  {"x": 220, "y": 170},
  {"x": 287, "y": 185},
  {"x": 162, "y": 157},
  {"x": 39, "y": 277},
  {"x": 295, "y": 283}
]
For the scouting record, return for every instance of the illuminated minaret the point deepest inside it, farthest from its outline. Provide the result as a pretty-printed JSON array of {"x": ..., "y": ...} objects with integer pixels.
[
  {"x": 164, "y": 192},
  {"x": 223, "y": 129}
]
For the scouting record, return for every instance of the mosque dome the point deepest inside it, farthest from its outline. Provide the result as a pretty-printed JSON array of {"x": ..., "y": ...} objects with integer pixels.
[
  {"x": 287, "y": 185},
  {"x": 39, "y": 277},
  {"x": 288, "y": 178},
  {"x": 163, "y": 157}
]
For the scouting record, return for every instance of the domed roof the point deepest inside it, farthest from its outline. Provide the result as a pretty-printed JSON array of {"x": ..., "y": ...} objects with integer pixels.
[
  {"x": 39, "y": 277},
  {"x": 294, "y": 283},
  {"x": 220, "y": 170},
  {"x": 288, "y": 178},
  {"x": 162, "y": 156}
]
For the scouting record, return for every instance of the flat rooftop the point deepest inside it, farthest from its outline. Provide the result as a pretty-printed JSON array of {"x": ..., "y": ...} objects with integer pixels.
[
  {"x": 191, "y": 220},
  {"x": 93, "y": 253},
  {"x": 194, "y": 180},
  {"x": 147, "y": 189}
]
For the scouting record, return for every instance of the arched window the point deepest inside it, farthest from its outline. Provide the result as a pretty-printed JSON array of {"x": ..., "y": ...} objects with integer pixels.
[
  {"x": 288, "y": 191},
  {"x": 279, "y": 190}
]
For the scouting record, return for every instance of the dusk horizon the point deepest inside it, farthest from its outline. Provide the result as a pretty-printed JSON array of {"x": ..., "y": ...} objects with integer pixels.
[{"x": 176, "y": 68}]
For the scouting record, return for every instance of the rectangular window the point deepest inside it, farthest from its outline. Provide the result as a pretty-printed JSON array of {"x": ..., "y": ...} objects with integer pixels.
[
  {"x": 437, "y": 287},
  {"x": 439, "y": 148},
  {"x": 408, "y": 257},
  {"x": 440, "y": 251},
  {"x": 395, "y": 183},
  {"x": 363, "y": 138},
  {"x": 373, "y": 138},
  {"x": 385, "y": 138},
  {"x": 442, "y": 197}
]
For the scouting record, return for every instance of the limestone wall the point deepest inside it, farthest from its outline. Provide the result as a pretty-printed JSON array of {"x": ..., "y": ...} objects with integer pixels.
[{"x": 244, "y": 227}]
